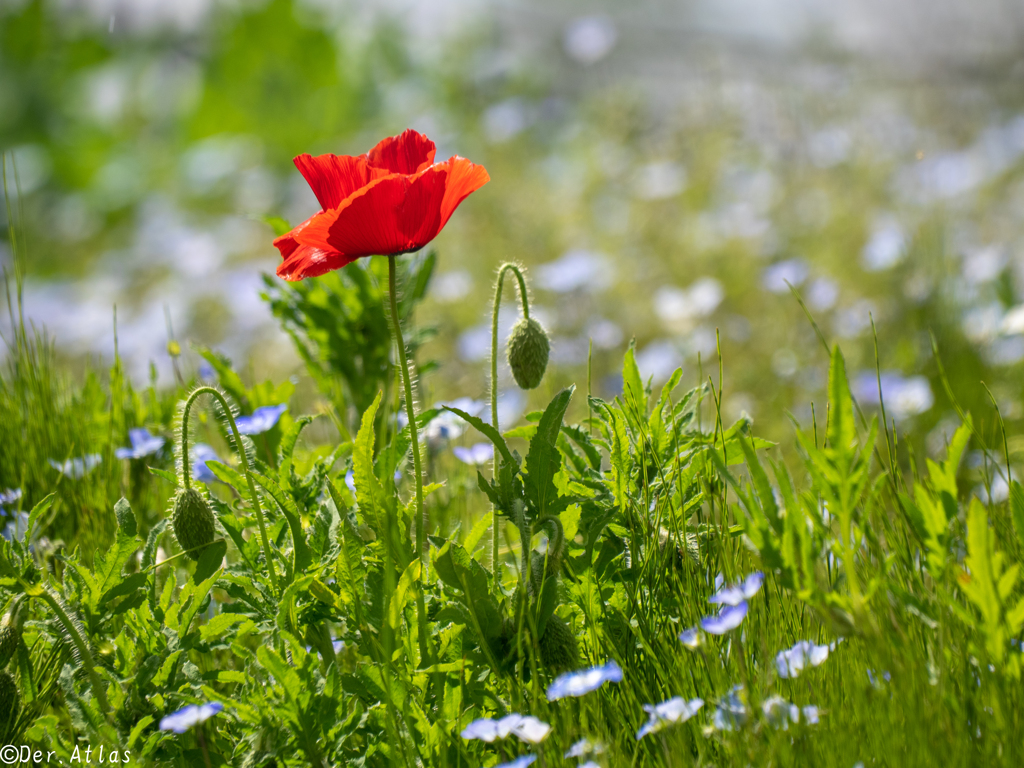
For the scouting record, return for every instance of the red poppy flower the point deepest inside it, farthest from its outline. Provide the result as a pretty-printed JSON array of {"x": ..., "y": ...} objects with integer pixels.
[{"x": 394, "y": 199}]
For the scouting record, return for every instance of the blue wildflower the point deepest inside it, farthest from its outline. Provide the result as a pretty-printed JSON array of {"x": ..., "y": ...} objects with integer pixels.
[
  {"x": 526, "y": 727},
  {"x": 690, "y": 637},
  {"x": 143, "y": 444},
  {"x": 727, "y": 620},
  {"x": 735, "y": 594},
  {"x": 9, "y": 497},
  {"x": 584, "y": 681},
  {"x": 78, "y": 466},
  {"x": 731, "y": 712},
  {"x": 183, "y": 719},
  {"x": 780, "y": 713},
  {"x": 475, "y": 455},
  {"x": 792, "y": 662},
  {"x": 262, "y": 419},
  {"x": 519, "y": 762},
  {"x": 202, "y": 453},
  {"x": 585, "y": 748},
  {"x": 675, "y": 710}
]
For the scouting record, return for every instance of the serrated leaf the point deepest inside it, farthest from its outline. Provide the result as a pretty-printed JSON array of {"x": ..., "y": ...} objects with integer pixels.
[
  {"x": 634, "y": 397},
  {"x": 229, "y": 476},
  {"x": 302, "y": 558},
  {"x": 33, "y": 517},
  {"x": 842, "y": 430},
  {"x": 219, "y": 624},
  {"x": 369, "y": 492},
  {"x": 402, "y": 595},
  {"x": 544, "y": 458}
]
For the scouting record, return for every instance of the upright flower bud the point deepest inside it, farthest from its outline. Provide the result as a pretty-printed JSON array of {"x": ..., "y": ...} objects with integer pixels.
[
  {"x": 528, "y": 349},
  {"x": 193, "y": 522}
]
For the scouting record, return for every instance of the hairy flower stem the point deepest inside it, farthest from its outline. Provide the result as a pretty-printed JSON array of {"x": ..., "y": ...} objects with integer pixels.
[
  {"x": 253, "y": 496},
  {"x": 79, "y": 642},
  {"x": 414, "y": 439},
  {"x": 410, "y": 411},
  {"x": 524, "y": 299}
]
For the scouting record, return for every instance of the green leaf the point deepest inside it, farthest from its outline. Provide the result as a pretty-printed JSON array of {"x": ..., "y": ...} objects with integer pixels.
[
  {"x": 544, "y": 459},
  {"x": 477, "y": 531},
  {"x": 459, "y": 570},
  {"x": 107, "y": 565},
  {"x": 302, "y": 558},
  {"x": 634, "y": 396},
  {"x": 219, "y": 624},
  {"x": 188, "y": 609},
  {"x": 487, "y": 431},
  {"x": 286, "y": 451},
  {"x": 403, "y": 593},
  {"x": 163, "y": 474},
  {"x": 33, "y": 517},
  {"x": 369, "y": 491},
  {"x": 768, "y": 507},
  {"x": 570, "y": 519},
  {"x": 842, "y": 431},
  {"x": 1017, "y": 509},
  {"x": 229, "y": 476},
  {"x": 126, "y": 587},
  {"x": 210, "y": 560}
]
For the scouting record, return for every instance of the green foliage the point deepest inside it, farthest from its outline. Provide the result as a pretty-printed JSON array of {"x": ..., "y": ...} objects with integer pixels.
[
  {"x": 338, "y": 324},
  {"x": 613, "y": 532}
]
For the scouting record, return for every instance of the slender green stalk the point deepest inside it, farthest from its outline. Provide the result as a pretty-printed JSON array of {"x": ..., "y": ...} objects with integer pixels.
[
  {"x": 253, "y": 496},
  {"x": 83, "y": 647},
  {"x": 410, "y": 410},
  {"x": 525, "y": 301}
]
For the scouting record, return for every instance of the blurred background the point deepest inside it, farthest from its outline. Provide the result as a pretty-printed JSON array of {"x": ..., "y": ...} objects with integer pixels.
[{"x": 666, "y": 170}]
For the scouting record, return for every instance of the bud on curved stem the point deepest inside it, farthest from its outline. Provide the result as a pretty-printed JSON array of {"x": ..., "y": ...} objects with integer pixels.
[
  {"x": 524, "y": 300},
  {"x": 253, "y": 496}
]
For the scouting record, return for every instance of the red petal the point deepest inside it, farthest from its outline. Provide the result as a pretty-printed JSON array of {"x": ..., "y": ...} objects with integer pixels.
[
  {"x": 393, "y": 215},
  {"x": 464, "y": 178},
  {"x": 309, "y": 261},
  {"x": 334, "y": 177},
  {"x": 409, "y": 152},
  {"x": 305, "y": 250}
]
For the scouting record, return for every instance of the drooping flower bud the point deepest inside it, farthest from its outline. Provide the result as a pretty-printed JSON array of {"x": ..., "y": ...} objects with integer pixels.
[
  {"x": 558, "y": 646},
  {"x": 10, "y": 700},
  {"x": 10, "y": 636},
  {"x": 193, "y": 522},
  {"x": 126, "y": 517},
  {"x": 528, "y": 348}
]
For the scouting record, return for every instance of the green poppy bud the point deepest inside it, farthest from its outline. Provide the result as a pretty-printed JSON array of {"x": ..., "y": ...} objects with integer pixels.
[
  {"x": 10, "y": 636},
  {"x": 558, "y": 647},
  {"x": 10, "y": 700},
  {"x": 193, "y": 522},
  {"x": 528, "y": 349},
  {"x": 126, "y": 518}
]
